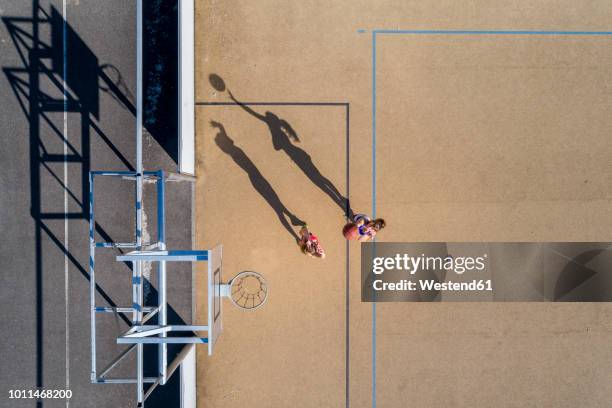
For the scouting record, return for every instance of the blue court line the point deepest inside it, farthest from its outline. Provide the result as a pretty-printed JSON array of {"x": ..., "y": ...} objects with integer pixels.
[
  {"x": 493, "y": 32},
  {"x": 374, "y": 208},
  {"x": 435, "y": 32}
]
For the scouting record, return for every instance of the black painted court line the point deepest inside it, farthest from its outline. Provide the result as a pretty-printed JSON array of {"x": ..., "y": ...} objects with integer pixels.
[
  {"x": 347, "y": 189},
  {"x": 347, "y": 290},
  {"x": 227, "y": 103}
]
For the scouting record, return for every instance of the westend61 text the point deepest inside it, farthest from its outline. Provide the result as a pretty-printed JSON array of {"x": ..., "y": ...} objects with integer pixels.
[{"x": 430, "y": 284}]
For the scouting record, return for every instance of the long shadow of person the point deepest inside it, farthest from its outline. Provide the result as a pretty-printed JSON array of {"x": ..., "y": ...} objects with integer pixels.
[
  {"x": 282, "y": 135},
  {"x": 263, "y": 187}
]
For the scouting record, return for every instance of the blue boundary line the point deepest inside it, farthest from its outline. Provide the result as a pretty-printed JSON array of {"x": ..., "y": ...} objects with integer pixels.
[
  {"x": 374, "y": 209},
  {"x": 434, "y": 32},
  {"x": 492, "y": 32}
]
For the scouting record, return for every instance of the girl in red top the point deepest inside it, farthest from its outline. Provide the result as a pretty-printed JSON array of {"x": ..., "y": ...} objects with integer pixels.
[{"x": 309, "y": 243}]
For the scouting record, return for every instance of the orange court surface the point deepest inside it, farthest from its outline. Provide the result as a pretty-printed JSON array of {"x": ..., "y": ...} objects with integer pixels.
[{"x": 462, "y": 137}]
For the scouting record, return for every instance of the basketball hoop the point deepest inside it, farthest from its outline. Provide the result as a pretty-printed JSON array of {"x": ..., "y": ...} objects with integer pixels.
[{"x": 248, "y": 290}]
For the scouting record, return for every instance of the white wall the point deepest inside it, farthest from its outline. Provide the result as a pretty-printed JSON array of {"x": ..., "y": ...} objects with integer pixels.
[
  {"x": 188, "y": 380},
  {"x": 186, "y": 87}
]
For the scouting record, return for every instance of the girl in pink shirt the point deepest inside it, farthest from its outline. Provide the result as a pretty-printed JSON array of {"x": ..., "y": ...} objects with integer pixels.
[{"x": 309, "y": 243}]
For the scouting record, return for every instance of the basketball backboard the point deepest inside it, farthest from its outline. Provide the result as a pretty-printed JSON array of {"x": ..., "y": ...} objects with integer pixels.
[{"x": 215, "y": 303}]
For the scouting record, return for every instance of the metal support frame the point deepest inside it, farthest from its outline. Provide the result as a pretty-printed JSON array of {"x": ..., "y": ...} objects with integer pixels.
[
  {"x": 137, "y": 309},
  {"x": 140, "y": 333}
]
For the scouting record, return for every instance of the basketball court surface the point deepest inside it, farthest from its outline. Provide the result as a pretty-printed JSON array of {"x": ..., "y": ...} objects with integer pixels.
[{"x": 479, "y": 121}]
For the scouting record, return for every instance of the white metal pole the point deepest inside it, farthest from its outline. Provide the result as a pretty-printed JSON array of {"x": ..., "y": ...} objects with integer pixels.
[
  {"x": 92, "y": 277},
  {"x": 161, "y": 276},
  {"x": 139, "y": 87},
  {"x": 138, "y": 321},
  {"x": 162, "y": 319},
  {"x": 116, "y": 361},
  {"x": 139, "y": 176}
]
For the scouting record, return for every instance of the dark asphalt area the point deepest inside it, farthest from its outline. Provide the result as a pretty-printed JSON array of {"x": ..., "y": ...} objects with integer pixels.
[{"x": 48, "y": 149}]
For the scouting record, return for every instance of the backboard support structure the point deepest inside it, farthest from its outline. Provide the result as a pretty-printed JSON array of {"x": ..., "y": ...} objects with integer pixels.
[
  {"x": 160, "y": 334},
  {"x": 215, "y": 304},
  {"x": 140, "y": 333}
]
